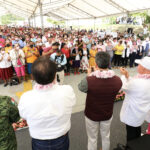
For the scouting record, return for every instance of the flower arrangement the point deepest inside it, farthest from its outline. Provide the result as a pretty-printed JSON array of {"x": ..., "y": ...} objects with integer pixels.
[
  {"x": 120, "y": 96},
  {"x": 20, "y": 125}
]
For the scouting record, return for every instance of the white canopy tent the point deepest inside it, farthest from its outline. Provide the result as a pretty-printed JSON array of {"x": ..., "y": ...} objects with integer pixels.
[{"x": 72, "y": 9}]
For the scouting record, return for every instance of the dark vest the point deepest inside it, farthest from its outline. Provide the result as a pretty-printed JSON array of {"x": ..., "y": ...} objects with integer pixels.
[{"x": 100, "y": 97}]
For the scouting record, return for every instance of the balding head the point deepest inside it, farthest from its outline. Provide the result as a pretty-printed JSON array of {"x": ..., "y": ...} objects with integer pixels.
[{"x": 44, "y": 70}]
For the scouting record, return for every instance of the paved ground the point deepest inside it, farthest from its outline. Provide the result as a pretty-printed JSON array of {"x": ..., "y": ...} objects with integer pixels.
[{"x": 73, "y": 80}]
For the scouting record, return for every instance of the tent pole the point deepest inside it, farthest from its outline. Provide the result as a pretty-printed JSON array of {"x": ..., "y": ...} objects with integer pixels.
[
  {"x": 94, "y": 23},
  {"x": 41, "y": 15},
  {"x": 34, "y": 20},
  {"x": 29, "y": 22}
]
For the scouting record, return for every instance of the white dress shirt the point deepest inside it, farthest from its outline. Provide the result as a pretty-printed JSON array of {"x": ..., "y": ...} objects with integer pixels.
[
  {"x": 136, "y": 106},
  {"x": 48, "y": 111}
]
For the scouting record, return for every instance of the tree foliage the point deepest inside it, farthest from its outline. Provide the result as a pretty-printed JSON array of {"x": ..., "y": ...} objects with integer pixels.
[
  {"x": 10, "y": 18},
  {"x": 54, "y": 22},
  {"x": 144, "y": 14}
]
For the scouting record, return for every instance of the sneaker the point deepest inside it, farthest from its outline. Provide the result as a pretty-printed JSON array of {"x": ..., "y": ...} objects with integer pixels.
[
  {"x": 10, "y": 84},
  {"x": 68, "y": 74},
  {"x": 74, "y": 73},
  {"x": 78, "y": 73},
  {"x": 65, "y": 74},
  {"x": 5, "y": 84}
]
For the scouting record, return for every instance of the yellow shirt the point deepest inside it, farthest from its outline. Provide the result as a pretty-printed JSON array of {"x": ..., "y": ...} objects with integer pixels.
[
  {"x": 119, "y": 49},
  {"x": 29, "y": 51},
  {"x": 7, "y": 49},
  {"x": 25, "y": 49}
]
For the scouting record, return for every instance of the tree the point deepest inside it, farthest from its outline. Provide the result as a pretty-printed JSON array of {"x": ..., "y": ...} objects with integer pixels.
[
  {"x": 54, "y": 22},
  {"x": 10, "y": 18}
]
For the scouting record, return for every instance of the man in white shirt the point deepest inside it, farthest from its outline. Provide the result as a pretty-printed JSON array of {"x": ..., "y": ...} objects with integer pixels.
[
  {"x": 47, "y": 108},
  {"x": 136, "y": 106}
]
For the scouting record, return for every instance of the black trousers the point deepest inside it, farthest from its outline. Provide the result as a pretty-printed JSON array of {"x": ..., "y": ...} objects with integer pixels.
[
  {"x": 132, "y": 59},
  {"x": 67, "y": 70},
  {"x": 125, "y": 61},
  {"x": 117, "y": 60},
  {"x": 133, "y": 132}
]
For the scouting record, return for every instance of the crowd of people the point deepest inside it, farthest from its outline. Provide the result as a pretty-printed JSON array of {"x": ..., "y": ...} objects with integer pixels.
[
  {"x": 74, "y": 50},
  {"x": 47, "y": 108}
]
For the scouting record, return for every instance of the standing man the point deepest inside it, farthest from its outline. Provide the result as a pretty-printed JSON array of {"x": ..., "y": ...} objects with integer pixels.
[
  {"x": 47, "y": 108},
  {"x": 136, "y": 106},
  {"x": 101, "y": 87},
  {"x": 61, "y": 61}
]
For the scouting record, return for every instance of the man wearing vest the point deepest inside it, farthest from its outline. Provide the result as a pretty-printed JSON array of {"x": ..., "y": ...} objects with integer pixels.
[
  {"x": 101, "y": 87},
  {"x": 61, "y": 61}
]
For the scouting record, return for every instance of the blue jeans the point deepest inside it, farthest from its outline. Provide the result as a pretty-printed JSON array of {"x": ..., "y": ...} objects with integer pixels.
[
  {"x": 29, "y": 67},
  {"x": 61, "y": 143}
]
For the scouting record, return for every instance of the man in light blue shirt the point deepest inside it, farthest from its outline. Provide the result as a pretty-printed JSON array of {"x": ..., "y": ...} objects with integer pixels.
[
  {"x": 18, "y": 41},
  {"x": 61, "y": 61}
]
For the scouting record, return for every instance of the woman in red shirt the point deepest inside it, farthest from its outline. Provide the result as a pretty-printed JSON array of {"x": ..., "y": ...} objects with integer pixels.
[{"x": 66, "y": 51}]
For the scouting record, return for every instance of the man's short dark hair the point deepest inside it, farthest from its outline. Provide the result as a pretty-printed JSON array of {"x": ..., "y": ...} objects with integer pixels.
[
  {"x": 55, "y": 44},
  {"x": 102, "y": 60},
  {"x": 44, "y": 70}
]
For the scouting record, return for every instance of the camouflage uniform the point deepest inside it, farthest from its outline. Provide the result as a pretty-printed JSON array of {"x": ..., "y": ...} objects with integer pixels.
[{"x": 8, "y": 115}]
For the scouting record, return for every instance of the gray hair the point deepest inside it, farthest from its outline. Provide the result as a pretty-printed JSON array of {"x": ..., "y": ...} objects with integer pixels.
[{"x": 102, "y": 60}]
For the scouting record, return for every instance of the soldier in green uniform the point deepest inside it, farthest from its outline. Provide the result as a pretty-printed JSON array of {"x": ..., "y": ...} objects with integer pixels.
[{"x": 8, "y": 115}]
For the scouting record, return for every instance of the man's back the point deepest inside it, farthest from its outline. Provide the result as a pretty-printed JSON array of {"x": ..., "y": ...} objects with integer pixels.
[
  {"x": 48, "y": 111},
  {"x": 100, "y": 97},
  {"x": 138, "y": 100}
]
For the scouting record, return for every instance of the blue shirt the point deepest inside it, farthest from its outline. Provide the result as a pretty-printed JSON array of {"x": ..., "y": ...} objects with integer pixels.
[{"x": 20, "y": 42}]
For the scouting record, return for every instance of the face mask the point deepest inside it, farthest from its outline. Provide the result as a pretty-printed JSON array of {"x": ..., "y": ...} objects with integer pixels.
[
  {"x": 3, "y": 52},
  {"x": 8, "y": 45},
  {"x": 31, "y": 46},
  {"x": 17, "y": 47}
]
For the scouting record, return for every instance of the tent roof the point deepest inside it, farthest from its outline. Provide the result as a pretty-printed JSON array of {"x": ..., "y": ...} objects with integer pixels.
[{"x": 73, "y": 9}]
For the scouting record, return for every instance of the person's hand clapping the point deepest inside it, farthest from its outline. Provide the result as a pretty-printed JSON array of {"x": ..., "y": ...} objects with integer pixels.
[
  {"x": 9, "y": 59},
  {"x": 124, "y": 72}
]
